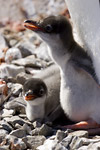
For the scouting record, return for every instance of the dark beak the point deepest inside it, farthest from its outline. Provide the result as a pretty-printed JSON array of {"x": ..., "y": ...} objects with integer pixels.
[{"x": 32, "y": 25}]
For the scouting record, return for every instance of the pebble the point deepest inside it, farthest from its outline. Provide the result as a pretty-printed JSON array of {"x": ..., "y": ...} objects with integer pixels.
[
  {"x": 4, "y": 147},
  {"x": 16, "y": 88},
  {"x": 16, "y": 143},
  {"x": 7, "y": 113},
  {"x": 43, "y": 130},
  {"x": 94, "y": 146},
  {"x": 19, "y": 133},
  {"x": 14, "y": 119},
  {"x": 60, "y": 135},
  {"x": 22, "y": 77},
  {"x": 3, "y": 133},
  {"x": 3, "y": 42},
  {"x": 79, "y": 133},
  {"x": 5, "y": 126},
  {"x": 10, "y": 70},
  {"x": 51, "y": 145},
  {"x": 67, "y": 140},
  {"x": 36, "y": 124},
  {"x": 26, "y": 48},
  {"x": 12, "y": 54},
  {"x": 76, "y": 143},
  {"x": 30, "y": 61},
  {"x": 34, "y": 141},
  {"x": 17, "y": 104}
]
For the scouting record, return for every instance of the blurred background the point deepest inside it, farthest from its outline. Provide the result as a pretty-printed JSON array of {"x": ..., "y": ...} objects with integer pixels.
[
  {"x": 12, "y": 15},
  {"x": 14, "y": 10}
]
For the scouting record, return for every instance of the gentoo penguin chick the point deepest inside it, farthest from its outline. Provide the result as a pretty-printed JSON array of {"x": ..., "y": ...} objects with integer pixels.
[
  {"x": 79, "y": 93},
  {"x": 42, "y": 101},
  {"x": 35, "y": 93}
]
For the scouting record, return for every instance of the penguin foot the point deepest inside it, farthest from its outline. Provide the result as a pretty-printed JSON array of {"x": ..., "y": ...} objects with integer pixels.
[{"x": 89, "y": 124}]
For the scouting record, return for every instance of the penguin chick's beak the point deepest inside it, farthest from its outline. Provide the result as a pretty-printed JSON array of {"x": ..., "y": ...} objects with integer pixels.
[
  {"x": 32, "y": 25},
  {"x": 29, "y": 96}
]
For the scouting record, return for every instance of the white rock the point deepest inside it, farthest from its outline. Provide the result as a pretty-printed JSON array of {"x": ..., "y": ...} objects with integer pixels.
[
  {"x": 80, "y": 133},
  {"x": 3, "y": 43},
  {"x": 7, "y": 70},
  {"x": 12, "y": 54},
  {"x": 26, "y": 48},
  {"x": 19, "y": 133},
  {"x": 6, "y": 113},
  {"x": 30, "y": 61},
  {"x": 34, "y": 141},
  {"x": 51, "y": 145},
  {"x": 66, "y": 141},
  {"x": 16, "y": 88},
  {"x": 95, "y": 146}
]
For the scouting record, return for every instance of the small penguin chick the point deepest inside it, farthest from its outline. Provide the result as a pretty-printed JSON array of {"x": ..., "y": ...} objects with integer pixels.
[{"x": 35, "y": 93}]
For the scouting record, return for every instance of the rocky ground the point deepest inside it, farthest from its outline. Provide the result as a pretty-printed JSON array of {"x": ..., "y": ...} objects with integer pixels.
[{"x": 22, "y": 55}]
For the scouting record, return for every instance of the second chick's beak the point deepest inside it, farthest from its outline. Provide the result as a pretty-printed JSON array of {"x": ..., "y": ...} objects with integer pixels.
[
  {"x": 29, "y": 96},
  {"x": 32, "y": 25}
]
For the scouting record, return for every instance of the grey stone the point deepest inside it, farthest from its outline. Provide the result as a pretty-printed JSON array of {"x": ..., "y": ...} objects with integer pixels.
[
  {"x": 60, "y": 135},
  {"x": 5, "y": 126},
  {"x": 7, "y": 113},
  {"x": 15, "y": 143},
  {"x": 81, "y": 133},
  {"x": 3, "y": 43},
  {"x": 27, "y": 128},
  {"x": 17, "y": 104},
  {"x": 43, "y": 130},
  {"x": 76, "y": 143},
  {"x": 16, "y": 88},
  {"x": 66, "y": 141},
  {"x": 87, "y": 141},
  {"x": 36, "y": 124},
  {"x": 22, "y": 77},
  {"x": 51, "y": 145},
  {"x": 4, "y": 147},
  {"x": 12, "y": 54},
  {"x": 34, "y": 141},
  {"x": 19, "y": 133},
  {"x": 11, "y": 70},
  {"x": 26, "y": 48},
  {"x": 15, "y": 119},
  {"x": 83, "y": 148},
  {"x": 30, "y": 61},
  {"x": 94, "y": 146},
  {"x": 3, "y": 133},
  {"x": 18, "y": 126},
  {"x": 13, "y": 42}
]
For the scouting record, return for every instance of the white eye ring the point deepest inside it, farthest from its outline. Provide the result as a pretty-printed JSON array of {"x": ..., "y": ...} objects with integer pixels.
[{"x": 48, "y": 28}]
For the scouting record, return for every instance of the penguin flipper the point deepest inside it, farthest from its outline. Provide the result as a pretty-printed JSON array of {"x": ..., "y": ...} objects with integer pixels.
[{"x": 87, "y": 69}]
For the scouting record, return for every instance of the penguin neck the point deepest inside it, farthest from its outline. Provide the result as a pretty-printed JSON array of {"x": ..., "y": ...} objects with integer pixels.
[
  {"x": 59, "y": 54},
  {"x": 35, "y": 111}
]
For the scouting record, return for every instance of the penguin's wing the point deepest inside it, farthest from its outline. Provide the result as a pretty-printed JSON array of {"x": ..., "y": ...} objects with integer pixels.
[{"x": 87, "y": 68}]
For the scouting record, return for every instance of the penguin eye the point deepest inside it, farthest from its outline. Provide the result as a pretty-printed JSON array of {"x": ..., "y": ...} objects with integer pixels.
[
  {"x": 41, "y": 92},
  {"x": 48, "y": 28}
]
